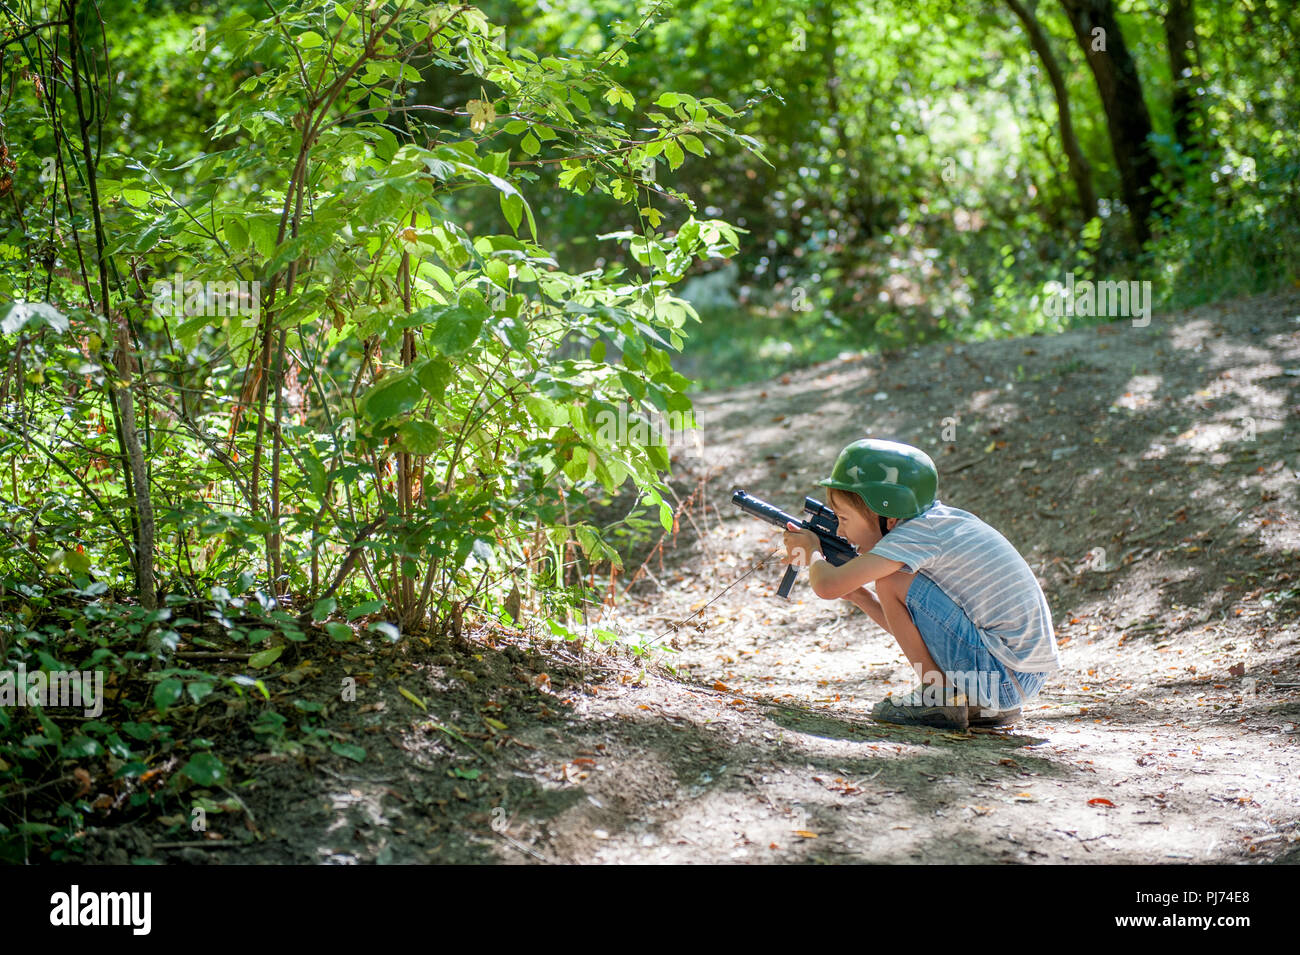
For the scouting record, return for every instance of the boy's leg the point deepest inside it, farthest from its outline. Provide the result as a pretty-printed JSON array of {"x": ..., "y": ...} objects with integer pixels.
[
  {"x": 950, "y": 634},
  {"x": 892, "y": 593}
]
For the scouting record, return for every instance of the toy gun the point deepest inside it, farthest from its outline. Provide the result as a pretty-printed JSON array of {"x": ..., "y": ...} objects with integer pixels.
[{"x": 823, "y": 523}]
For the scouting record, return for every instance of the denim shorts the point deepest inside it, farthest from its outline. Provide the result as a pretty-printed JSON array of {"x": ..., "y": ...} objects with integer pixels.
[{"x": 958, "y": 648}]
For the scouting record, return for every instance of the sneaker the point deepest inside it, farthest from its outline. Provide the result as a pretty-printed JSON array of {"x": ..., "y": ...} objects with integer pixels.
[
  {"x": 914, "y": 710},
  {"x": 982, "y": 717}
]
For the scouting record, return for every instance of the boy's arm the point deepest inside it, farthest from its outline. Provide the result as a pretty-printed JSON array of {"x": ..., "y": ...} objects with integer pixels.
[{"x": 829, "y": 581}]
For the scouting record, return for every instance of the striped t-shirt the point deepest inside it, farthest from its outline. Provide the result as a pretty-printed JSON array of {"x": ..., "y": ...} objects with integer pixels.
[{"x": 984, "y": 575}]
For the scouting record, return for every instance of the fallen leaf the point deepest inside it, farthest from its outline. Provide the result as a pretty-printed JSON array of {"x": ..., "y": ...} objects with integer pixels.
[
  {"x": 1101, "y": 802},
  {"x": 413, "y": 698}
]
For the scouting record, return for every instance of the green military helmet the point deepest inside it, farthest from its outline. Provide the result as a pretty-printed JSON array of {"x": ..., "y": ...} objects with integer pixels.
[{"x": 896, "y": 480}]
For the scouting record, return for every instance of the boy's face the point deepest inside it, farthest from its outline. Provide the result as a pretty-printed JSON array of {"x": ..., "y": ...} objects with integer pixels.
[{"x": 854, "y": 528}]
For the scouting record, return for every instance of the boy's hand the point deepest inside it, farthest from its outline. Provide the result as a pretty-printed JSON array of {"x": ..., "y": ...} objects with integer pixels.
[{"x": 800, "y": 544}]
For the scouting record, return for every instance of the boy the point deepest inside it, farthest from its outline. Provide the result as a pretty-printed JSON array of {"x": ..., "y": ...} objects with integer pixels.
[{"x": 962, "y": 603}]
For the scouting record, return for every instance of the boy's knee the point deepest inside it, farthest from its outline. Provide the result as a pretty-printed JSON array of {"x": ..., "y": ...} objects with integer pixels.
[{"x": 894, "y": 586}]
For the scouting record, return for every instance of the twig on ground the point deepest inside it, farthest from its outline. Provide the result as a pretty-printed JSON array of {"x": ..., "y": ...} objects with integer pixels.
[
  {"x": 523, "y": 848},
  {"x": 205, "y": 844}
]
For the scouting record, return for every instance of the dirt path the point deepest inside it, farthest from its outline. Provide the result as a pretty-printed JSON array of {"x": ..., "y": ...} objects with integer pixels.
[{"x": 1147, "y": 475}]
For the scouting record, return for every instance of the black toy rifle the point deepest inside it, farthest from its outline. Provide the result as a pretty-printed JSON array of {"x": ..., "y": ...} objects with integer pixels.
[{"x": 823, "y": 523}]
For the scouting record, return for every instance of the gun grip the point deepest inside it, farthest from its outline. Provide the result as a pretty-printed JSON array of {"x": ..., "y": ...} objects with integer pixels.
[{"x": 791, "y": 572}]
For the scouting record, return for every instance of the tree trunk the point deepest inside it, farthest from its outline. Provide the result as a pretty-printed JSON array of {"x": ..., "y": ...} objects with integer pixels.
[
  {"x": 1180, "y": 37},
  {"x": 1080, "y": 171},
  {"x": 861, "y": 208},
  {"x": 1120, "y": 89},
  {"x": 146, "y": 585}
]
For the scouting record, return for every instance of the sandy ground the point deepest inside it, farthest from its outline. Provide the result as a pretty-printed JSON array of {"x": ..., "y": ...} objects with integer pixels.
[{"x": 1148, "y": 475}]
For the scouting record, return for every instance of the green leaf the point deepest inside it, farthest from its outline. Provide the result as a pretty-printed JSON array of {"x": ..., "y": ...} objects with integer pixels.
[
  {"x": 665, "y": 516},
  {"x": 674, "y": 154},
  {"x": 80, "y": 746},
  {"x": 340, "y": 632},
  {"x": 349, "y": 751},
  {"x": 413, "y": 698},
  {"x": 420, "y": 437},
  {"x": 361, "y": 609},
  {"x": 560, "y": 630},
  {"x": 512, "y": 207},
  {"x": 205, "y": 769},
  {"x": 499, "y": 272},
  {"x": 323, "y": 608},
  {"x": 34, "y": 828},
  {"x": 78, "y": 563},
  {"x": 263, "y": 231},
  {"x": 459, "y": 326},
  {"x": 265, "y": 658},
  {"x": 545, "y": 413},
  {"x": 236, "y": 233},
  {"x": 434, "y": 376},
  {"x": 693, "y": 144},
  {"x": 392, "y": 396},
  {"x": 166, "y": 694}
]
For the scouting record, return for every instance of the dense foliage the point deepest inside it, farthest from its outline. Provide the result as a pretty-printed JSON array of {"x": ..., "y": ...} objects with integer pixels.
[
  {"x": 314, "y": 315},
  {"x": 269, "y": 353}
]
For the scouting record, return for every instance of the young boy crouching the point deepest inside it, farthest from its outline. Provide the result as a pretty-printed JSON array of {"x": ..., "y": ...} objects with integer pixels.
[{"x": 962, "y": 603}]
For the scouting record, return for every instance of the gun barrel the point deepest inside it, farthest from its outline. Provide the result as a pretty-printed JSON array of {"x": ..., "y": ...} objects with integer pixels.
[{"x": 762, "y": 510}]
